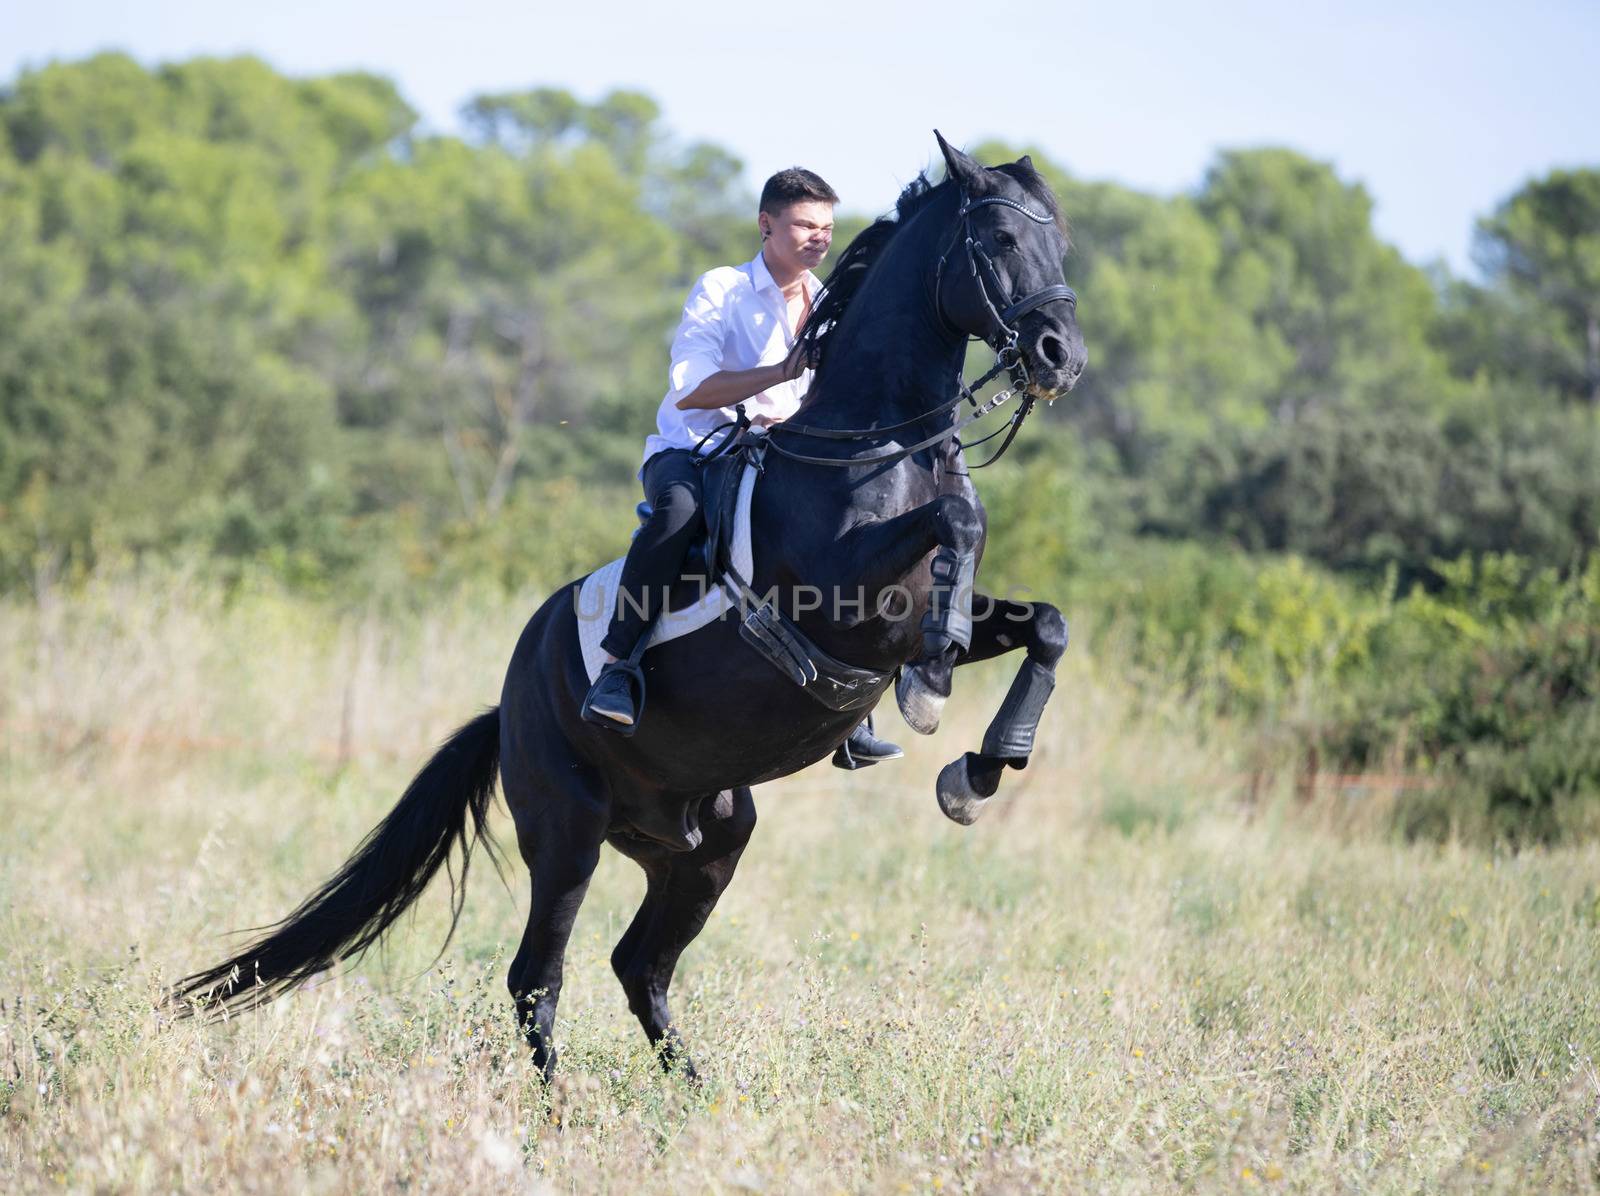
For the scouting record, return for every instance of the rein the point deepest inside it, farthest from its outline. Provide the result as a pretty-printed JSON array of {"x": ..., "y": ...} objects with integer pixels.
[
  {"x": 1002, "y": 338},
  {"x": 744, "y": 433}
]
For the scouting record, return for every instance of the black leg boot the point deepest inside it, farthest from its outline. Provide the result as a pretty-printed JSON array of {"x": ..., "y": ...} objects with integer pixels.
[
  {"x": 864, "y": 749},
  {"x": 615, "y": 698}
]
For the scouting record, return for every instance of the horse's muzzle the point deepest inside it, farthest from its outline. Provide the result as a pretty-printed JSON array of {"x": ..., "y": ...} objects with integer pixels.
[{"x": 1055, "y": 356}]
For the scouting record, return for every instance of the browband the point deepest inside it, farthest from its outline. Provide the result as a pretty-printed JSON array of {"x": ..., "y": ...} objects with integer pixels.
[{"x": 1036, "y": 217}]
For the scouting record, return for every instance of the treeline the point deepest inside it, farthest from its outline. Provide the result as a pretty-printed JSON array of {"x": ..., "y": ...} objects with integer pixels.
[
  {"x": 267, "y": 316},
  {"x": 270, "y": 318}
]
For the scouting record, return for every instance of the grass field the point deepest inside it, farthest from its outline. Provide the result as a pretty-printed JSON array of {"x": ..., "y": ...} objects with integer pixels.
[{"x": 1125, "y": 978}]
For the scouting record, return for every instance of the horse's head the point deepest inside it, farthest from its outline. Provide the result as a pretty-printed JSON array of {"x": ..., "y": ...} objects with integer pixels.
[{"x": 1001, "y": 275}]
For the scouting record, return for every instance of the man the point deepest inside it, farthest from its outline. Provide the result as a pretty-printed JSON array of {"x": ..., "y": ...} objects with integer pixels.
[{"x": 735, "y": 346}]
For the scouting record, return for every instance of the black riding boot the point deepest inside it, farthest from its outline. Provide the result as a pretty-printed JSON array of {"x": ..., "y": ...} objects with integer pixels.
[
  {"x": 612, "y": 701},
  {"x": 864, "y": 749}
]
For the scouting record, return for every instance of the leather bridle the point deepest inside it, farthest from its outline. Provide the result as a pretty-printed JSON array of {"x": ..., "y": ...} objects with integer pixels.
[{"x": 1002, "y": 333}]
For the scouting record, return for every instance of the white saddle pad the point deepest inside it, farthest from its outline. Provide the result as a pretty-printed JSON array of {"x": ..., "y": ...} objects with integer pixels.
[{"x": 597, "y": 597}]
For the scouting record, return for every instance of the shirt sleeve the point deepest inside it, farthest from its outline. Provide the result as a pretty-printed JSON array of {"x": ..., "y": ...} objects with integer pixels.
[{"x": 697, "y": 347}]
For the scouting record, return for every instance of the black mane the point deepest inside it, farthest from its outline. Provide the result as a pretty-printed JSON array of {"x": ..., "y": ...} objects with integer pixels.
[
  {"x": 857, "y": 261},
  {"x": 845, "y": 281}
]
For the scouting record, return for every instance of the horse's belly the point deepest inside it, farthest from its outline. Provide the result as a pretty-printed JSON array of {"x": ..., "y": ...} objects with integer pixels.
[{"x": 718, "y": 715}]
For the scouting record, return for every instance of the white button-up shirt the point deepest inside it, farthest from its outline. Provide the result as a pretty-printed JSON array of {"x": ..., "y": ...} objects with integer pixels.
[{"x": 736, "y": 318}]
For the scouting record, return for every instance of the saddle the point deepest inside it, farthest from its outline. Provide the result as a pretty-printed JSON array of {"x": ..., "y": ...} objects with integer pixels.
[{"x": 710, "y": 563}]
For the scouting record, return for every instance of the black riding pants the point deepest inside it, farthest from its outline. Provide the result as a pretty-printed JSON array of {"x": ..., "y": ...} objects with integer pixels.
[{"x": 673, "y": 484}]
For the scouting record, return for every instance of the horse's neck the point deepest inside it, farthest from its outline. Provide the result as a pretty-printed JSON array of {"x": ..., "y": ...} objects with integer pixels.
[{"x": 890, "y": 360}]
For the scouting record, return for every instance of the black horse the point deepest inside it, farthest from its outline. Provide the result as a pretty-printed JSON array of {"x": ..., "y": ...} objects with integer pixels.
[{"x": 896, "y": 532}]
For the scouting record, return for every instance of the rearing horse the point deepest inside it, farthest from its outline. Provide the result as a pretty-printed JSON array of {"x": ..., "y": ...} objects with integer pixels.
[{"x": 864, "y": 494}]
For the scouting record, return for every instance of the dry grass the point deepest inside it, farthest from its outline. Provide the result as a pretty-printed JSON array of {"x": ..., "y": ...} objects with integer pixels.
[{"x": 1119, "y": 980}]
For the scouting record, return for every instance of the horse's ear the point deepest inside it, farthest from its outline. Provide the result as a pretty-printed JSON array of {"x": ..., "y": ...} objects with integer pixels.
[
  {"x": 960, "y": 167},
  {"x": 1026, "y": 160}
]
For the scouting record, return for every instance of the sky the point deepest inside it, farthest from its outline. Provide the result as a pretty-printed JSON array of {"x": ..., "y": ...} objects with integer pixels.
[{"x": 1441, "y": 110}]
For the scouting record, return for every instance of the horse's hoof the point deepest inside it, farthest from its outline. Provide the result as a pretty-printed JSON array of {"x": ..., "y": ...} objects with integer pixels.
[
  {"x": 920, "y": 704},
  {"x": 957, "y": 798}
]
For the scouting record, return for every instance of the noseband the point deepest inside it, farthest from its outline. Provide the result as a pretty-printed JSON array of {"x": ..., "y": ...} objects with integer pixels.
[{"x": 1002, "y": 333}]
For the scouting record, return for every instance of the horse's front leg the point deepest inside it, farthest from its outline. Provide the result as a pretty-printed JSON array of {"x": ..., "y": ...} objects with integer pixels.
[
  {"x": 1000, "y": 625},
  {"x": 880, "y": 559},
  {"x": 876, "y": 562}
]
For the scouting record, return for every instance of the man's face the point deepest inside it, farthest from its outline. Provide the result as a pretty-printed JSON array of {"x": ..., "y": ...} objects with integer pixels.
[{"x": 799, "y": 236}]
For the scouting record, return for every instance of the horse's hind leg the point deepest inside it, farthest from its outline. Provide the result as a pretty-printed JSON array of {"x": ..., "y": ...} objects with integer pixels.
[
  {"x": 1001, "y": 625},
  {"x": 682, "y": 889},
  {"x": 559, "y": 831}
]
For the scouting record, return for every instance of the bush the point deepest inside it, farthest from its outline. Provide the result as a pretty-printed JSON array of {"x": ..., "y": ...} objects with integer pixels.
[
  {"x": 1362, "y": 491},
  {"x": 1491, "y": 683},
  {"x": 1494, "y": 684}
]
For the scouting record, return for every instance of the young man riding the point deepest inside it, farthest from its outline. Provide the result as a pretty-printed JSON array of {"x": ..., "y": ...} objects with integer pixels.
[{"x": 735, "y": 346}]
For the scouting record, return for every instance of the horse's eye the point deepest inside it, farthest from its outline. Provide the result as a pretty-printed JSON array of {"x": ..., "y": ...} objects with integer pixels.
[{"x": 1005, "y": 240}]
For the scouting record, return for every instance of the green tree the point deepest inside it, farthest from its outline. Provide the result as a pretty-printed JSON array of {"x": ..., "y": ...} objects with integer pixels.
[
  {"x": 165, "y": 230},
  {"x": 506, "y": 285},
  {"x": 1541, "y": 253},
  {"x": 1348, "y": 319},
  {"x": 240, "y": 308}
]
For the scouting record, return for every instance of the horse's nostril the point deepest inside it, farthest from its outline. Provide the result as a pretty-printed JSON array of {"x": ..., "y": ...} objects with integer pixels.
[{"x": 1053, "y": 351}]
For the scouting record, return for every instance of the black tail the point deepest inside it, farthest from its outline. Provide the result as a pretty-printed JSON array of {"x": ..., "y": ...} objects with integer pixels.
[{"x": 446, "y": 804}]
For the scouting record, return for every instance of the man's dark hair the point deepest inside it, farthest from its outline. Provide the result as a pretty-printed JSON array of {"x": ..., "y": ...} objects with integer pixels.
[{"x": 795, "y": 185}]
